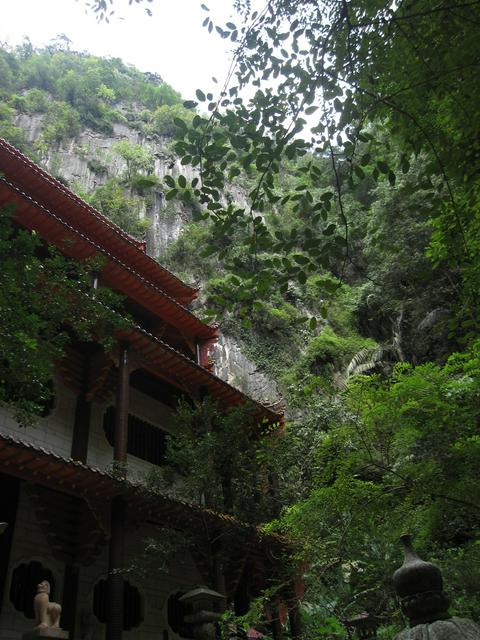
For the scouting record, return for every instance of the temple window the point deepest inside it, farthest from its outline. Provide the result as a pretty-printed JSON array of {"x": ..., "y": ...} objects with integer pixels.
[
  {"x": 145, "y": 441},
  {"x": 23, "y": 586},
  {"x": 132, "y": 604}
]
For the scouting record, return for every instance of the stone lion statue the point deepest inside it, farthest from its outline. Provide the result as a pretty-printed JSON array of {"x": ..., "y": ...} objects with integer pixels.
[{"x": 47, "y": 614}]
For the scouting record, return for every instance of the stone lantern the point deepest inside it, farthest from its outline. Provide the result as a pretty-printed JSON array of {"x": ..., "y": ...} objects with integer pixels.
[
  {"x": 364, "y": 626},
  {"x": 419, "y": 587},
  {"x": 203, "y": 603}
]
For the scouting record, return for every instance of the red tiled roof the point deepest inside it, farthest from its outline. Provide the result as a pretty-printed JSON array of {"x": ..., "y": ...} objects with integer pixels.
[
  {"x": 51, "y": 193},
  {"x": 37, "y": 464},
  {"x": 116, "y": 273},
  {"x": 164, "y": 361}
]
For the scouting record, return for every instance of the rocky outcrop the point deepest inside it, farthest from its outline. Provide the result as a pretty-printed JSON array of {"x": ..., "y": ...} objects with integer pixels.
[{"x": 233, "y": 366}]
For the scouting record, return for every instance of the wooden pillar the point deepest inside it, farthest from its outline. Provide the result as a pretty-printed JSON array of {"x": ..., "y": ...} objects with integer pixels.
[
  {"x": 81, "y": 429},
  {"x": 9, "y": 494},
  {"x": 114, "y": 626},
  {"x": 81, "y": 424},
  {"x": 121, "y": 414},
  {"x": 69, "y": 601}
]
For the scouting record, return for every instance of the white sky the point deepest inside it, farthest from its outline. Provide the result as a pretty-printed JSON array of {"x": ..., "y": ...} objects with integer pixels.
[{"x": 172, "y": 42}]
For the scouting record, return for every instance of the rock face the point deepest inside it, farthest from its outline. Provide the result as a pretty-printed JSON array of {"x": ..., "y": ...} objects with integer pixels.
[
  {"x": 235, "y": 368},
  {"x": 81, "y": 160},
  {"x": 87, "y": 161}
]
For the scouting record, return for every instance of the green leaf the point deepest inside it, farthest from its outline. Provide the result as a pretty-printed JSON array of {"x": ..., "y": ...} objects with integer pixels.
[
  {"x": 383, "y": 166},
  {"x": 359, "y": 171},
  {"x": 171, "y": 194},
  {"x": 182, "y": 181},
  {"x": 200, "y": 95},
  {"x": 179, "y": 123}
]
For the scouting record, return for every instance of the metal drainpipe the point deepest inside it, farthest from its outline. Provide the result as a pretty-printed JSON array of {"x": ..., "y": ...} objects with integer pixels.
[{"x": 114, "y": 627}]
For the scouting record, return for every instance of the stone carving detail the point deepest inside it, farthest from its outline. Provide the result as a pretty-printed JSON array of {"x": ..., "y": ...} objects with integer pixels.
[{"x": 47, "y": 614}]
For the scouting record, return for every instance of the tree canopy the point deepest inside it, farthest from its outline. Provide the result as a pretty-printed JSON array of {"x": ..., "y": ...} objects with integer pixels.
[{"x": 344, "y": 81}]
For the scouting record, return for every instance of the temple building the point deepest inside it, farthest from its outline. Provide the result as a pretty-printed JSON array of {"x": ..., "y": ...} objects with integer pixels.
[{"x": 72, "y": 518}]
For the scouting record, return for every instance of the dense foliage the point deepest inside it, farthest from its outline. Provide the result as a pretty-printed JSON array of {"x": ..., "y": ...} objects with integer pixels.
[
  {"x": 384, "y": 199},
  {"x": 72, "y": 90}
]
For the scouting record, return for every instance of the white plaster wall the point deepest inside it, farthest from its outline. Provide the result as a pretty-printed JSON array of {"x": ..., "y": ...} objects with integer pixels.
[
  {"x": 29, "y": 543},
  {"x": 54, "y": 432}
]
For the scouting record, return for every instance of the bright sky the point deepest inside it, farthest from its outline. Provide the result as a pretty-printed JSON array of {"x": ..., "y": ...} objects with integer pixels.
[{"x": 172, "y": 42}]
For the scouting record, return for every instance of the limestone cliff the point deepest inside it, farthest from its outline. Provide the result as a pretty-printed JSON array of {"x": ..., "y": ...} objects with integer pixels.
[{"x": 88, "y": 160}]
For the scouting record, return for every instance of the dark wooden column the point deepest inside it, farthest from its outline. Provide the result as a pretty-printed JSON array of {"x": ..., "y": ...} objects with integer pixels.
[
  {"x": 81, "y": 429},
  {"x": 9, "y": 494},
  {"x": 121, "y": 414},
  {"x": 114, "y": 626},
  {"x": 81, "y": 424},
  {"x": 69, "y": 602}
]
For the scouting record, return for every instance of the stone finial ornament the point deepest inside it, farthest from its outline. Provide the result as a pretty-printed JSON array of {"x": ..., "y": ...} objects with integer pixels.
[{"x": 419, "y": 586}]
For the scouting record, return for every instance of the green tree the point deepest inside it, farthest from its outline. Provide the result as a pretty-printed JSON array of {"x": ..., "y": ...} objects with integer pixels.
[
  {"x": 137, "y": 158},
  {"x": 218, "y": 457},
  {"x": 338, "y": 68},
  {"x": 42, "y": 302},
  {"x": 113, "y": 202}
]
